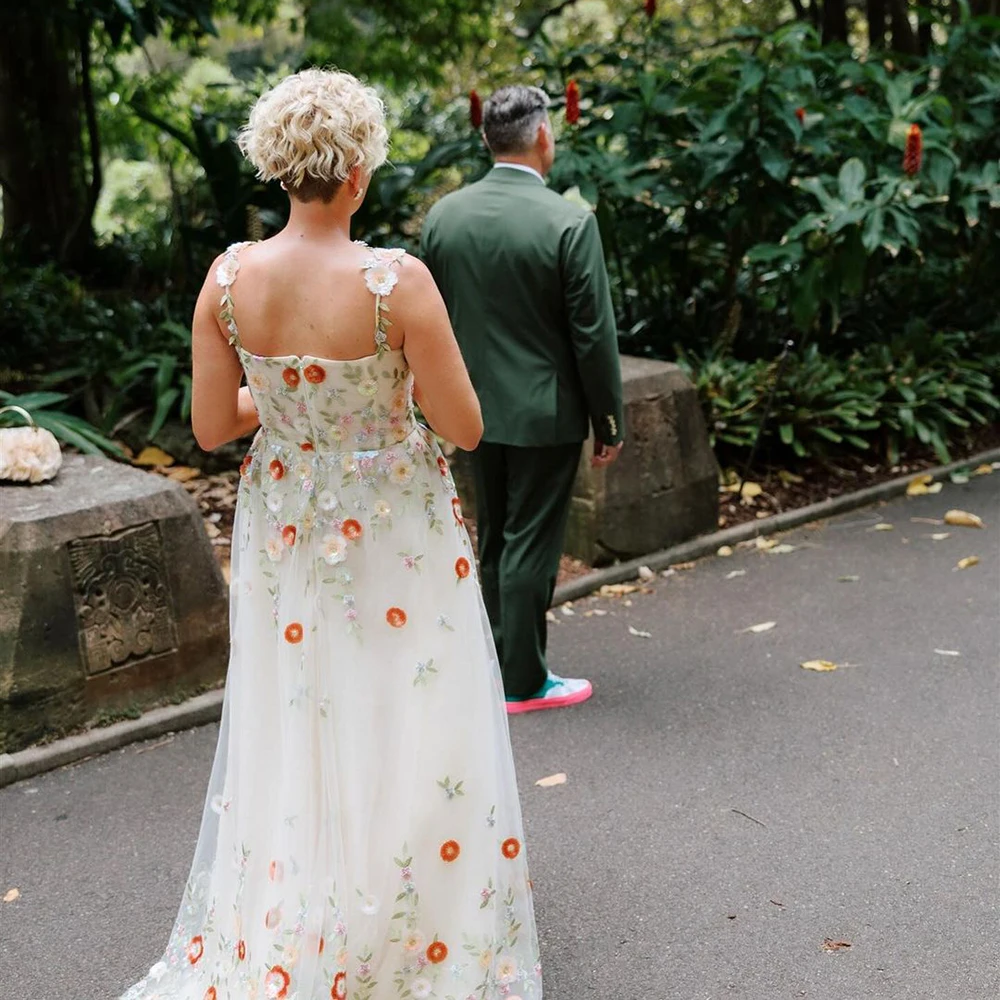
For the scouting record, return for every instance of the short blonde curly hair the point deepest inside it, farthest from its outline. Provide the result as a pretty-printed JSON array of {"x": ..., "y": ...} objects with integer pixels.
[{"x": 313, "y": 129}]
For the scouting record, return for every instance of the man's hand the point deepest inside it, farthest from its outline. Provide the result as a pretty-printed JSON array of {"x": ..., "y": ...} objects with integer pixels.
[{"x": 605, "y": 454}]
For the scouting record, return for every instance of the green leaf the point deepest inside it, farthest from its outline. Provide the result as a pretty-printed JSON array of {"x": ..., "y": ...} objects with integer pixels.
[
  {"x": 787, "y": 434},
  {"x": 774, "y": 162},
  {"x": 851, "y": 181},
  {"x": 871, "y": 236}
]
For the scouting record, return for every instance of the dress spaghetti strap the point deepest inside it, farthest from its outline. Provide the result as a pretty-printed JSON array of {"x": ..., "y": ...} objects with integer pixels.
[
  {"x": 381, "y": 277},
  {"x": 225, "y": 276}
]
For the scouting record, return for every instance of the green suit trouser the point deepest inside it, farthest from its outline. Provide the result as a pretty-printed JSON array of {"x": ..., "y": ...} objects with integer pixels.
[{"x": 522, "y": 505}]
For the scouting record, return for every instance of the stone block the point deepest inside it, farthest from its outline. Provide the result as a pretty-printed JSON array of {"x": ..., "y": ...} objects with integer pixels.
[
  {"x": 663, "y": 490},
  {"x": 110, "y": 598}
]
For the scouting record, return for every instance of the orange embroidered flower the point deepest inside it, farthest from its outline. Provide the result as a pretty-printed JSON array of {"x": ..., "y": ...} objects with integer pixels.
[
  {"x": 437, "y": 952},
  {"x": 339, "y": 989},
  {"x": 288, "y": 534},
  {"x": 396, "y": 617},
  {"x": 351, "y": 529},
  {"x": 195, "y": 950},
  {"x": 456, "y": 506},
  {"x": 276, "y": 871},
  {"x": 307, "y": 446},
  {"x": 211, "y": 993},
  {"x": 276, "y": 469},
  {"x": 291, "y": 377},
  {"x": 511, "y": 848},
  {"x": 276, "y": 983},
  {"x": 450, "y": 850},
  {"x": 442, "y": 465},
  {"x": 241, "y": 950},
  {"x": 462, "y": 567},
  {"x": 293, "y": 633},
  {"x": 245, "y": 465},
  {"x": 314, "y": 373}
]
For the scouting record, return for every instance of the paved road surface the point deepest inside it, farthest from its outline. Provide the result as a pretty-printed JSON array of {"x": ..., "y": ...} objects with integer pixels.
[{"x": 725, "y": 810}]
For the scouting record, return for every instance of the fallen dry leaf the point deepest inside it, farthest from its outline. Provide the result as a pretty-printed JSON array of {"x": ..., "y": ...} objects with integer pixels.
[
  {"x": 926, "y": 520},
  {"x": 781, "y": 550},
  {"x": 883, "y": 526},
  {"x": 212, "y": 529},
  {"x": 11, "y": 894},
  {"x": 968, "y": 562},
  {"x": 963, "y": 519},
  {"x": 227, "y": 573},
  {"x": 830, "y": 945},
  {"x": 595, "y": 612},
  {"x": 940, "y": 536},
  {"x": 680, "y": 567},
  {"x": 551, "y": 781},
  {"x": 947, "y": 652},
  {"x": 617, "y": 589},
  {"x": 762, "y": 627},
  {"x": 550, "y": 616},
  {"x": 918, "y": 485},
  {"x": 725, "y": 551},
  {"x": 151, "y": 455},
  {"x": 646, "y": 574},
  {"x": 749, "y": 491},
  {"x": 820, "y": 666},
  {"x": 789, "y": 478},
  {"x": 735, "y": 573},
  {"x": 848, "y": 579},
  {"x": 639, "y": 633},
  {"x": 182, "y": 473},
  {"x": 762, "y": 542},
  {"x": 567, "y": 610},
  {"x": 983, "y": 470}
]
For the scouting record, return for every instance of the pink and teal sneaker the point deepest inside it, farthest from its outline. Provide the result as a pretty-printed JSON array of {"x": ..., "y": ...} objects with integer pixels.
[{"x": 556, "y": 692}]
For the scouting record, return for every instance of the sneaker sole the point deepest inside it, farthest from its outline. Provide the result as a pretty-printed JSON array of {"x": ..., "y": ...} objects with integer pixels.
[{"x": 541, "y": 704}]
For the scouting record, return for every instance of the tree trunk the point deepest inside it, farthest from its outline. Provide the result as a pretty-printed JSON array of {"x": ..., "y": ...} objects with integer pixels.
[
  {"x": 876, "y": 24},
  {"x": 904, "y": 39},
  {"x": 834, "y": 21},
  {"x": 925, "y": 35},
  {"x": 47, "y": 201}
]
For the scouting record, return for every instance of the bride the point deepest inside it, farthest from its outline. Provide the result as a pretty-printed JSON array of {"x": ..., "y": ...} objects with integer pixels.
[{"x": 362, "y": 836}]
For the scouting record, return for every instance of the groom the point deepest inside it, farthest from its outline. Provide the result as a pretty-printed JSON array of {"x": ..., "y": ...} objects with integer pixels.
[{"x": 522, "y": 272}]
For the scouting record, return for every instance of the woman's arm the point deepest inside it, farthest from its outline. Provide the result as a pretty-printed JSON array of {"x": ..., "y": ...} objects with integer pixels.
[
  {"x": 221, "y": 410},
  {"x": 445, "y": 395}
]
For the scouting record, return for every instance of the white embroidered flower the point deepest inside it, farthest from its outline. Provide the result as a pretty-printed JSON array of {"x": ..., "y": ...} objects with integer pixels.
[
  {"x": 302, "y": 470},
  {"x": 275, "y": 549},
  {"x": 219, "y": 804},
  {"x": 420, "y": 988},
  {"x": 506, "y": 970},
  {"x": 401, "y": 471},
  {"x": 335, "y": 434},
  {"x": 382, "y": 509},
  {"x": 368, "y": 388},
  {"x": 328, "y": 500},
  {"x": 370, "y": 905},
  {"x": 225, "y": 273},
  {"x": 414, "y": 941},
  {"x": 334, "y": 548},
  {"x": 381, "y": 279},
  {"x": 274, "y": 502},
  {"x": 259, "y": 382}
]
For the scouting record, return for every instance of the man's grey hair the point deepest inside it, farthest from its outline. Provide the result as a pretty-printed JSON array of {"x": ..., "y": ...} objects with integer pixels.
[{"x": 511, "y": 118}]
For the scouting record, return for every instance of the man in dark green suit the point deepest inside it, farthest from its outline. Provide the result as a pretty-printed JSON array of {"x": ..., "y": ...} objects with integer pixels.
[{"x": 522, "y": 272}]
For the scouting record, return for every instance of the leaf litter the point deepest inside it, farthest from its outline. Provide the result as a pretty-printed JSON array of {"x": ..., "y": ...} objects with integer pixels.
[{"x": 963, "y": 519}]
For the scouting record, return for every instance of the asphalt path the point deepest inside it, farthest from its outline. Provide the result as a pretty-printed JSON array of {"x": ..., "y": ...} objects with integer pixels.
[{"x": 732, "y": 825}]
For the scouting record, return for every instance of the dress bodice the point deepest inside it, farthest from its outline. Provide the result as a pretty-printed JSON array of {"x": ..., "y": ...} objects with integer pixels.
[{"x": 318, "y": 405}]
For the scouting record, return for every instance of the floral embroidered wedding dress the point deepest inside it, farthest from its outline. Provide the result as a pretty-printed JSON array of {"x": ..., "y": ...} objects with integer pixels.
[{"x": 362, "y": 835}]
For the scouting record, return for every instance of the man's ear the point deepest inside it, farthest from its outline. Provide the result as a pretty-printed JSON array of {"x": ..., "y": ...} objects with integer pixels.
[{"x": 543, "y": 141}]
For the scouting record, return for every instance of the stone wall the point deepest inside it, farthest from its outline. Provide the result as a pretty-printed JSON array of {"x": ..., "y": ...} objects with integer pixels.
[
  {"x": 663, "y": 489},
  {"x": 110, "y": 599}
]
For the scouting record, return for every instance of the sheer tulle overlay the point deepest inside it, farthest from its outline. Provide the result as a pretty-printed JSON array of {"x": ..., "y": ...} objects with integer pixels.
[{"x": 362, "y": 837}]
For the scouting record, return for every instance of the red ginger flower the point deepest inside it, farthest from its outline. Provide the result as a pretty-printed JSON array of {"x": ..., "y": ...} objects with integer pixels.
[
  {"x": 800, "y": 113},
  {"x": 572, "y": 102},
  {"x": 475, "y": 110},
  {"x": 914, "y": 154},
  {"x": 650, "y": 6}
]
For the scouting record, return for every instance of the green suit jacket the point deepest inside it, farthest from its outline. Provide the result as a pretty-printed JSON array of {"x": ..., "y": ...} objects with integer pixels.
[{"x": 522, "y": 272}]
